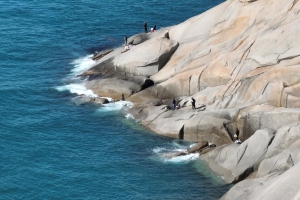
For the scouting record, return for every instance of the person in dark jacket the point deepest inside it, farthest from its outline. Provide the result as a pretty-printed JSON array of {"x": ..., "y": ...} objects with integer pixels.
[
  {"x": 173, "y": 104},
  {"x": 145, "y": 27},
  {"x": 125, "y": 40},
  {"x": 193, "y": 103}
]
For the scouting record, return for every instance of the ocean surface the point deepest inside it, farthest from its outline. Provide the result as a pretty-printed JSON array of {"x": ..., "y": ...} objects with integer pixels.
[{"x": 52, "y": 146}]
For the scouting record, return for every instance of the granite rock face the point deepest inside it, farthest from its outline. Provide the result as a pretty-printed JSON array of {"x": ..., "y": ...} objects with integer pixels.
[
  {"x": 241, "y": 55},
  {"x": 271, "y": 187},
  {"x": 241, "y": 63},
  {"x": 236, "y": 162},
  {"x": 283, "y": 153},
  {"x": 147, "y": 58},
  {"x": 272, "y": 167},
  {"x": 198, "y": 147}
]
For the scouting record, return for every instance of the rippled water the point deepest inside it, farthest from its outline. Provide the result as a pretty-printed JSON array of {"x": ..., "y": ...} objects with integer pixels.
[{"x": 53, "y": 147}]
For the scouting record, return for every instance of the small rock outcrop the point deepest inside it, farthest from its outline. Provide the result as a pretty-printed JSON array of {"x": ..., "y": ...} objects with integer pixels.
[
  {"x": 86, "y": 99},
  {"x": 198, "y": 147}
]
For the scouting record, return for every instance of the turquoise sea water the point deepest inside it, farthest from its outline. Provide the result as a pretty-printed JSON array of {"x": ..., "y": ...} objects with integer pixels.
[{"x": 53, "y": 147}]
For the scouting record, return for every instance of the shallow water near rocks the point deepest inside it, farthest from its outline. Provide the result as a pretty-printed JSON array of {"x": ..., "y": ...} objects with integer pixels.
[{"x": 52, "y": 146}]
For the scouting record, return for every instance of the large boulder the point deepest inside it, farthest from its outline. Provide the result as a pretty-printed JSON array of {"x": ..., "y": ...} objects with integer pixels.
[
  {"x": 257, "y": 117},
  {"x": 111, "y": 87},
  {"x": 236, "y": 162},
  {"x": 210, "y": 126},
  {"x": 147, "y": 58},
  {"x": 271, "y": 187},
  {"x": 283, "y": 153},
  {"x": 276, "y": 164},
  {"x": 162, "y": 122},
  {"x": 142, "y": 37},
  {"x": 284, "y": 138},
  {"x": 214, "y": 126},
  {"x": 205, "y": 127},
  {"x": 138, "y": 38},
  {"x": 116, "y": 84}
]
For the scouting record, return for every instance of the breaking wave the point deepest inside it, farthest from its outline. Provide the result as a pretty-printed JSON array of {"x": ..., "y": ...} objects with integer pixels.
[
  {"x": 114, "y": 106},
  {"x": 82, "y": 64},
  {"x": 171, "y": 154},
  {"x": 76, "y": 88}
]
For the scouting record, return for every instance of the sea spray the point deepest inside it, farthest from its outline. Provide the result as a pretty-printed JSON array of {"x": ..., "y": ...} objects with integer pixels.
[
  {"x": 78, "y": 89},
  {"x": 169, "y": 153},
  {"x": 129, "y": 116},
  {"x": 183, "y": 159},
  {"x": 82, "y": 64},
  {"x": 115, "y": 106},
  {"x": 73, "y": 84},
  {"x": 77, "y": 86}
]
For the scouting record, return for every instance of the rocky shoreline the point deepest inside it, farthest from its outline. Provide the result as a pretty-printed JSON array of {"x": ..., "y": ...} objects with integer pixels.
[{"x": 241, "y": 62}]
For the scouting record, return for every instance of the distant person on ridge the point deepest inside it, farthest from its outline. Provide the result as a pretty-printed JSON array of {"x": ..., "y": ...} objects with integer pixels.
[
  {"x": 125, "y": 39},
  {"x": 193, "y": 103},
  {"x": 145, "y": 27},
  {"x": 174, "y": 104}
]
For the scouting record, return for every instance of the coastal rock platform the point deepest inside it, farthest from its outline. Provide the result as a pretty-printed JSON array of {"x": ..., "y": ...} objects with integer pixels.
[{"x": 241, "y": 63}]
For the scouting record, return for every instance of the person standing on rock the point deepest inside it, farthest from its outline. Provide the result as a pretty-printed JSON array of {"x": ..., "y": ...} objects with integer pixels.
[
  {"x": 123, "y": 98},
  {"x": 174, "y": 104},
  {"x": 125, "y": 40},
  {"x": 236, "y": 136},
  {"x": 145, "y": 27},
  {"x": 193, "y": 103}
]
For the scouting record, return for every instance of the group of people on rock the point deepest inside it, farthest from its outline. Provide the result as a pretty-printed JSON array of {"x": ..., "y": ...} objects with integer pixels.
[
  {"x": 174, "y": 106},
  {"x": 127, "y": 46},
  {"x": 193, "y": 102},
  {"x": 151, "y": 30}
]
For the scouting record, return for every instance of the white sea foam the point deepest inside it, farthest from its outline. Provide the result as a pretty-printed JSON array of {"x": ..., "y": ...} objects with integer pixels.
[
  {"x": 159, "y": 149},
  {"x": 125, "y": 104},
  {"x": 168, "y": 154},
  {"x": 82, "y": 64},
  {"x": 119, "y": 105},
  {"x": 186, "y": 158},
  {"x": 76, "y": 89},
  {"x": 129, "y": 116}
]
